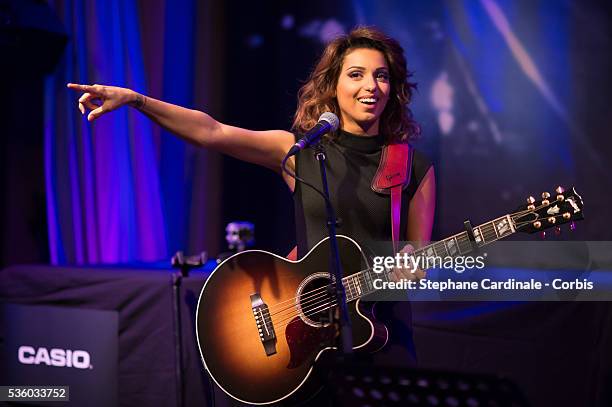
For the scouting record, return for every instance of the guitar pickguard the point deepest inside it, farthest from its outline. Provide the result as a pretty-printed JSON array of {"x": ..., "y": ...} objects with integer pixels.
[{"x": 305, "y": 341}]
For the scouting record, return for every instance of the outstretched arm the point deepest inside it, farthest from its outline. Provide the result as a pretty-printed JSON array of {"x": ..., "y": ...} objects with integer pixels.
[{"x": 266, "y": 148}]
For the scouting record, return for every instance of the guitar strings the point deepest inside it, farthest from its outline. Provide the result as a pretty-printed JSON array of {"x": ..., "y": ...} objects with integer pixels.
[
  {"x": 315, "y": 302},
  {"x": 311, "y": 301},
  {"x": 280, "y": 324},
  {"x": 308, "y": 294},
  {"x": 305, "y": 296},
  {"x": 313, "y": 295},
  {"x": 308, "y": 299},
  {"x": 320, "y": 307},
  {"x": 362, "y": 279}
]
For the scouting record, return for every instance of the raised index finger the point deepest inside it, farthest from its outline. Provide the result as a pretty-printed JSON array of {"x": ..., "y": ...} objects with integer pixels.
[{"x": 76, "y": 86}]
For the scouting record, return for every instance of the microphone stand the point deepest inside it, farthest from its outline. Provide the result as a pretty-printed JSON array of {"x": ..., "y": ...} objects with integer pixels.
[
  {"x": 340, "y": 317},
  {"x": 184, "y": 264}
]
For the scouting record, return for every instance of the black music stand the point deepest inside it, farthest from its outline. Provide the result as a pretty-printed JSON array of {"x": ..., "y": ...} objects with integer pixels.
[{"x": 362, "y": 384}]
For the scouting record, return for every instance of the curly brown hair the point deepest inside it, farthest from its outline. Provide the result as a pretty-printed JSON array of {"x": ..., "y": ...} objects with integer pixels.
[{"x": 318, "y": 94}]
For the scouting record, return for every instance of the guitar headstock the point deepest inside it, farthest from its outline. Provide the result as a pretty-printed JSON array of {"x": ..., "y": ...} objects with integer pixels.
[{"x": 551, "y": 211}]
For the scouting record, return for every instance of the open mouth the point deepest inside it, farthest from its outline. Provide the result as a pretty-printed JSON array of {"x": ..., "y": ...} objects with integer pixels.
[{"x": 369, "y": 101}]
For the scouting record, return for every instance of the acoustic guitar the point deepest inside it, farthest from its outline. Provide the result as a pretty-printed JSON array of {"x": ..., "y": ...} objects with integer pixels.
[{"x": 262, "y": 320}]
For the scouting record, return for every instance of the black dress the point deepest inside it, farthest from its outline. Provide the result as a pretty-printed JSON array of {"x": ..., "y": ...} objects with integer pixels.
[{"x": 351, "y": 164}]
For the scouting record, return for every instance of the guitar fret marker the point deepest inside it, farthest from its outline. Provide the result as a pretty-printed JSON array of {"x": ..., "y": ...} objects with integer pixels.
[
  {"x": 502, "y": 227},
  {"x": 492, "y": 226},
  {"x": 357, "y": 286},
  {"x": 477, "y": 234},
  {"x": 512, "y": 230}
]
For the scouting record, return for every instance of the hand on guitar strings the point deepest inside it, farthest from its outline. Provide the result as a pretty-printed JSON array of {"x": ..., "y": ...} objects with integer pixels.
[{"x": 407, "y": 273}]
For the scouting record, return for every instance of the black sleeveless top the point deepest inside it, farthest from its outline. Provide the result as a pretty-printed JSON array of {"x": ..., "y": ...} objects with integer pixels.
[{"x": 351, "y": 164}]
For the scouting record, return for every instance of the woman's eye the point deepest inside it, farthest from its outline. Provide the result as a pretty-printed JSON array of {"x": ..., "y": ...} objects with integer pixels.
[
  {"x": 383, "y": 75},
  {"x": 355, "y": 74}
]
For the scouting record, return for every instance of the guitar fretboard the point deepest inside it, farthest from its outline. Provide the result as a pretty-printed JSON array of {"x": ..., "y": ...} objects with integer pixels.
[{"x": 362, "y": 283}]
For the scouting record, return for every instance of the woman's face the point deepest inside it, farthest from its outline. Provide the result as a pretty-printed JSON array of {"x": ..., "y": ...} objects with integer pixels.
[{"x": 363, "y": 90}]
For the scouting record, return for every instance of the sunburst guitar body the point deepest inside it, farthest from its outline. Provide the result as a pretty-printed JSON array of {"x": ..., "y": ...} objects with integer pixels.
[{"x": 263, "y": 320}]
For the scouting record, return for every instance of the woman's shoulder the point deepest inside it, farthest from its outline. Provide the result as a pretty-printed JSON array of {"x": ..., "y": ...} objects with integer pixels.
[
  {"x": 420, "y": 165},
  {"x": 421, "y": 159}
]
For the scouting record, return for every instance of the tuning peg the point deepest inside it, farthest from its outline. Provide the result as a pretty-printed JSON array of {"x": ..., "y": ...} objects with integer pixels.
[
  {"x": 543, "y": 235},
  {"x": 545, "y": 202},
  {"x": 573, "y": 226},
  {"x": 559, "y": 192},
  {"x": 531, "y": 207},
  {"x": 566, "y": 215},
  {"x": 537, "y": 224},
  {"x": 552, "y": 220},
  {"x": 545, "y": 195},
  {"x": 530, "y": 200},
  {"x": 557, "y": 230}
]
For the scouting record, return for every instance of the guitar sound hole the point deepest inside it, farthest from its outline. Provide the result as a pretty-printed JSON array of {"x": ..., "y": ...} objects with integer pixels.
[{"x": 314, "y": 300}]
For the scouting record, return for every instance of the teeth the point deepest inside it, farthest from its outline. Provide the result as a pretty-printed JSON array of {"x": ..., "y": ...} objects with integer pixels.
[{"x": 367, "y": 100}]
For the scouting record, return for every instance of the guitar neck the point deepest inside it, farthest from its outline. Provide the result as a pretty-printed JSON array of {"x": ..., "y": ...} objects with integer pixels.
[{"x": 362, "y": 283}]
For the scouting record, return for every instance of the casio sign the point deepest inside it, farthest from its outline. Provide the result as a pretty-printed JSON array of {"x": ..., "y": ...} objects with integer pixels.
[{"x": 79, "y": 359}]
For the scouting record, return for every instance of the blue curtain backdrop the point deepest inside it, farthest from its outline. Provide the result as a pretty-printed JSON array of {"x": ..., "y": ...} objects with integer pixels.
[
  {"x": 121, "y": 190},
  {"x": 510, "y": 100}
]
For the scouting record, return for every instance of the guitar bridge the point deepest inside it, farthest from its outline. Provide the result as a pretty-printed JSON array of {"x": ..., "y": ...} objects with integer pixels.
[{"x": 263, "y": 320}]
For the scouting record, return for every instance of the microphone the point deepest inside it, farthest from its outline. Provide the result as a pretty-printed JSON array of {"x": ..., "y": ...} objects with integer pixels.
[{"x": 327, "y": 122}]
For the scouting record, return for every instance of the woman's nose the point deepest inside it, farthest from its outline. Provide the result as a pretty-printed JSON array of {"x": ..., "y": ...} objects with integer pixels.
[{"x": 370, "y": 85}]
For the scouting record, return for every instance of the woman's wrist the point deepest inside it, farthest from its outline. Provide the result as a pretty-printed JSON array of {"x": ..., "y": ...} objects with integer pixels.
[{"x": 137, "y": 100}]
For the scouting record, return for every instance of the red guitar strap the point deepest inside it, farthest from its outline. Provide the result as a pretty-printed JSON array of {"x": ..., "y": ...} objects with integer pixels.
[{"x": 392, "y": 176}]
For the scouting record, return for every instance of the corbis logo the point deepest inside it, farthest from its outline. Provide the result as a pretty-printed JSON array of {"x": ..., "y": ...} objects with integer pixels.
[{"x": 78, "y": 359}]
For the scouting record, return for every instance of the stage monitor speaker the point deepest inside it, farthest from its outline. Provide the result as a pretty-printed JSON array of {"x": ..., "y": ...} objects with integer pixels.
[{"x": 61, "y": 346}]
